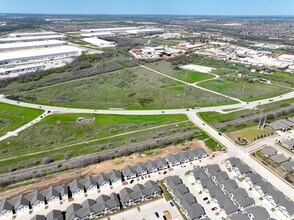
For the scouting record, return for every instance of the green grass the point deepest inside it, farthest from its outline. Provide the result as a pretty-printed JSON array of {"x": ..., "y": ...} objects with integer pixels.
[
  {"x": 215, "y": 118},
  {"x": 58, "y": 130},
  {"x": 277, "y": 78},
  {"x": 136, "y": 88},
  {"x": 243, "y": 89},
  {"x": 185, "y": 75},
  {"x": 12, "y": 117},
  {"x": 59, "y": 137}
]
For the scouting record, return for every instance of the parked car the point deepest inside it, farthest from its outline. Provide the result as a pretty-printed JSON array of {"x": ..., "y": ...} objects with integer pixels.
[
  {"x": 214, "y": 208},
  {"x": 131, "y": 181},
  {"x": 165, "y": 172},
  {"x": 156, "y": 214},
  {"x": 171, "y": 204},
  {"x": 204, "y": 199}
]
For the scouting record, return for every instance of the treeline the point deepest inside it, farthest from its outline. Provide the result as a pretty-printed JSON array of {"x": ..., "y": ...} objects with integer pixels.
[
  {"x": 17, "y": 176},
  {"x": 82, "y": 66}
]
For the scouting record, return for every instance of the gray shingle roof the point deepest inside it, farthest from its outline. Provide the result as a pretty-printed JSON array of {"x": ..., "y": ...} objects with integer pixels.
[
  {"x": 269, "y": 151},
  {"x": 288, "y": 166},
  {"x": 113, "y": 175},
  {"x": 160, "y": 162},
  {"x": 255, "y": 178},
  {"x": 39, "y": 217},
  {"x": 102, "y": 178},
  {"x": 196, "y": 211},
  {"x": 89, "y": 181},
  {"x": 5, "y": 205},
  {"x": 258, "y": 212},
  {"x": 76, "y": 185},
  {"x": 128, "y": 170},
  {"x": 88, "y": 203},
  {"x": 239, "y": 216},
  {"x": 279, "y": 158},
  {"x": 52, "y": 215}
]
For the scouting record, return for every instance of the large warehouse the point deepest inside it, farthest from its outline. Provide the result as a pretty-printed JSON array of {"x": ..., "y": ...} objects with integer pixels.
[
  {"x": 146, "y": 31},
  {"x": 34, "y": 34},
  {"x": 28, "y": 39},
  {"x": 100, "y": 43},
  {"x": 113, "y": 30},
  {"x": 30, "y": 45},
  {"x": 40, "y": 54},
  {"x": 99, "y": 34},
  {"x": 15, "y": 71}
]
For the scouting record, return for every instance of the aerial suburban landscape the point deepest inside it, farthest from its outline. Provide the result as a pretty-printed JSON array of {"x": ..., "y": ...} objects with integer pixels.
[{"x": 146, "y": 110}]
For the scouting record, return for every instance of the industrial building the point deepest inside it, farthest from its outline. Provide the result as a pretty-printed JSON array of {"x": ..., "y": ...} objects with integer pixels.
[
  {"x": 31, "y": 38},
  {"x": 40, "y": 54},
  {"x": 146, "y": 31},
  {"x": 99, "y": 42},
  {"x": 34, "y": 34},
  {"x": 113, "y": 30},
  {"x": 99, "y": 34},
  {"x": 15, "y": 71},
  {"x": 30, "y": 45}
]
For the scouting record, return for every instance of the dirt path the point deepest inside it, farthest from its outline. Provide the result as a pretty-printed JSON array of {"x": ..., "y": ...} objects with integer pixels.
[{"x": 106, "y": 166}]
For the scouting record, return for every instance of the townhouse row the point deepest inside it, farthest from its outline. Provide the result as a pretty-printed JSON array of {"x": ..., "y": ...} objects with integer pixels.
[
  {"x": 278, "y": 158},
  {"x": 185, "y": 200},
  {"x": 226, "y": 194},
  {"x": 276, "y": 199},
  {"x": 105, "y": 204},
  {"x": 41, "y": 199}
]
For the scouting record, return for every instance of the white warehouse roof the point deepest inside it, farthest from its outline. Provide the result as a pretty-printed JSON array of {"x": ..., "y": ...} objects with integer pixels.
[
  {"x": 27, "y": 39},
  {"x": 99, "y": 42},
  {"x": 30, "y": 44},
  {"x": 120, "y": 29},
  {"x": 31, "y": 54},
  {"x": 142, "y": 31},
  {"x": 32, "y": 34},
  {"x": 98, "y": 34}
]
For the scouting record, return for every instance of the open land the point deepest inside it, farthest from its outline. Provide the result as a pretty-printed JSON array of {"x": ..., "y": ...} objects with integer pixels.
[{"x": 135, "y": 88}]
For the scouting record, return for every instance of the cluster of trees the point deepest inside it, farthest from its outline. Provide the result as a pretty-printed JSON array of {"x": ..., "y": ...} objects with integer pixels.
[{"x": 83, "y": 66}]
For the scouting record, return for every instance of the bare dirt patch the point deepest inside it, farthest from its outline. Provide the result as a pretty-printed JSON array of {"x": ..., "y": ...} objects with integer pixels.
[{"x": 106, "y": 166}]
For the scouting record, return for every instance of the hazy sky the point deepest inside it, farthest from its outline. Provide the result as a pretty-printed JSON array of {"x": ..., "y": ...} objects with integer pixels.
[{"x": 181, "y": 7}]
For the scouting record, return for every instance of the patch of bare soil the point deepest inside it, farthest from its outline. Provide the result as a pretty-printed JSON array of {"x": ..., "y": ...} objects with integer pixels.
[{"x": 106, "y": 166}]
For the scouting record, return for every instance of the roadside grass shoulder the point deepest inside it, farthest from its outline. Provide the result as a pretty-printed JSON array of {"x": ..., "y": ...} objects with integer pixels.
[{"x": 12, "y": 117}]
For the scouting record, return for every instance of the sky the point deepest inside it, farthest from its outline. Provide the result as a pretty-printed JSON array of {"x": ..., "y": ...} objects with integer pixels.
[{"x": 165, "y": 7}]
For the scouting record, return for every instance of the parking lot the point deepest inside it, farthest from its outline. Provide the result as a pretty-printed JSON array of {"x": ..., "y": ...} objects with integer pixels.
[{"x": 147, "y": 212}]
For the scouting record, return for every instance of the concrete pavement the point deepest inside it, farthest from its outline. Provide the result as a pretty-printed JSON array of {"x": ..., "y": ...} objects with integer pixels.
[{"x": 235, "y": 151}]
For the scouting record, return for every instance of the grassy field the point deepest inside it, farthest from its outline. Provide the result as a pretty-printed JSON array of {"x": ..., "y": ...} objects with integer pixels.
[
  {"x": 12, "y": 117},
  {"x": 215, "y": 118},
  {"x": 243, "y": 89},
  {"x": 278, "y": 78},
  {"x": 250, "y": 134},
  {"x": 185, "y": 75},
  {"x": 60, "y": 137},
  {"x": 136, "y": 88}
]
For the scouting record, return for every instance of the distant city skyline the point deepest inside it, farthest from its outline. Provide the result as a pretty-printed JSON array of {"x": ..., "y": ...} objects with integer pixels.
[{"x": 164, "y": 7}]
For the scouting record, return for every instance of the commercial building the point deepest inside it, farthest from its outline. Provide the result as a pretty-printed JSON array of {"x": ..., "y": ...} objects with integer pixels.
[
  {"x": 31, "y": 38},
  {"x": 14, "y": 71},
  {"x": 40, "y": 54},
  {"x": 146, "y": 31},
  {"x": 30, "y": 45},
  {"x": 99, "y": 42},
  {"x": 99, "y": 34},
  {"x": 113, "y": 30},
  {"x": 33, "y": 34}
]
